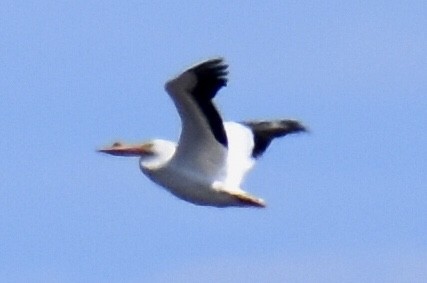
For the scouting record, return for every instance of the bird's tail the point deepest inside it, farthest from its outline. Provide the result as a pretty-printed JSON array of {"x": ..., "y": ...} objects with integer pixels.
[
  {"x": 245, "y": 199},
  {"x": 265, "y": 131}
]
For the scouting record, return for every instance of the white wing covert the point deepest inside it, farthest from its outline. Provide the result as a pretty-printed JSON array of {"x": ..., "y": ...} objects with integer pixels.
[{"x": 202, "y": 147}]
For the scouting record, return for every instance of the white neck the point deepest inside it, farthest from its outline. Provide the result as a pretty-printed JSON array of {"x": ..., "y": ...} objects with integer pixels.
[{"x": 162, "y": 153}]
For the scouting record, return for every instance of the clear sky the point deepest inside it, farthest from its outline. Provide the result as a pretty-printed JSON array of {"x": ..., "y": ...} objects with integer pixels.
[{"x": 346, "y": 202}]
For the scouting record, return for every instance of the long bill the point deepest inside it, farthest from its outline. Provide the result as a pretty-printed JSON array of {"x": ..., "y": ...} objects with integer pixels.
[{"x": 119, "y": 149}]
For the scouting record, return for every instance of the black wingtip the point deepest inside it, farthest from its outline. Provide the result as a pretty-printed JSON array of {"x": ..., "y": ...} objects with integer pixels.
[
  {"x": 290, "y": 126},
  {"x": 211, "y": 76},
  {"x": 265, "y": 131},
  {"x": 214, "y": 72}
]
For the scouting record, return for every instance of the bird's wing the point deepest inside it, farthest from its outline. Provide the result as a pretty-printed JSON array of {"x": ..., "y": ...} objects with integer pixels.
[
  {"x": 239, "y": 159},
  {"x": 247, "y": 141},
  {"x": 265, "y": 131},
  {"x": 202, "y": 148}
]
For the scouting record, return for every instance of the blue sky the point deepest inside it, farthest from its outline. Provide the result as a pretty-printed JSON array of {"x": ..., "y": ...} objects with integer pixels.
[{"x": 346, "y": 202}]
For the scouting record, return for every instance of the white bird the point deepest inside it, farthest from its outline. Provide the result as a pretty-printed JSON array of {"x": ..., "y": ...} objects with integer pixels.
[{"x": 208, "y": 164}]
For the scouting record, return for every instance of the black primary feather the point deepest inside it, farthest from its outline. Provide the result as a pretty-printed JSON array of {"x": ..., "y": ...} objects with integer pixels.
[
  {"x": 265, "y": 131},
  {"x": 211, "y": 76}
]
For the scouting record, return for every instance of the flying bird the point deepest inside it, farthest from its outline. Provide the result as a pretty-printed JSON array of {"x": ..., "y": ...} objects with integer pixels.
[{"x": 212, "y": 157}]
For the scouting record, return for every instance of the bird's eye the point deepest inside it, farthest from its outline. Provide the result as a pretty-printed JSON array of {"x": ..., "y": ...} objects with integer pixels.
[
  {"x": 147, "y": 146},
  {"x": 116, "y": 144}
]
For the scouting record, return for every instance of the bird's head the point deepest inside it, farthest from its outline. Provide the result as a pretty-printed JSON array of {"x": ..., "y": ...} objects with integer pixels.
[{"x": 152, "y": 154}]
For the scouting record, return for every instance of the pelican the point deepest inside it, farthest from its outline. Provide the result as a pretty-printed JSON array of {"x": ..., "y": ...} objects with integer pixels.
[{"x": 212, "y": 157}]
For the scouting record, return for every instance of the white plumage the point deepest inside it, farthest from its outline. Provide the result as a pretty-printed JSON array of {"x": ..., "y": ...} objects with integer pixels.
[{"x": 210, "y": 161}]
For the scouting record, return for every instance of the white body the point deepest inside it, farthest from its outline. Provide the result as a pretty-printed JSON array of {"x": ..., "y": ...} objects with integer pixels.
[{"x": 199, "y": 185}]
